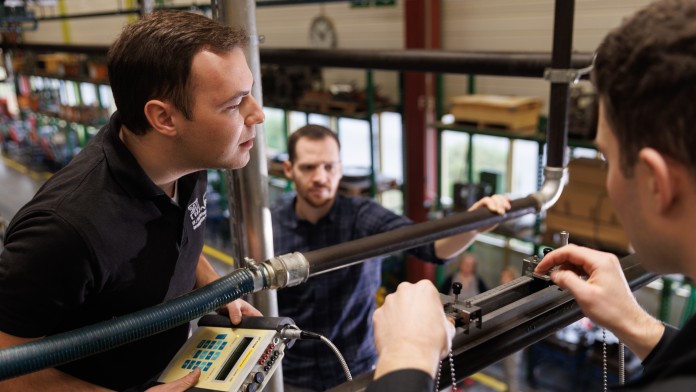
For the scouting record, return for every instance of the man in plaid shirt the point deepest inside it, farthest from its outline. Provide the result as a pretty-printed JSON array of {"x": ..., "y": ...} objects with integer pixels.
[{"x": 338, "y": 304}]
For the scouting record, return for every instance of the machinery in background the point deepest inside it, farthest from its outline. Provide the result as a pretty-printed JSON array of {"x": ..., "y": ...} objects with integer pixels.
[
  {"x": 465, "y": 195},
  {"x": 283, "y": 86},
  {"x": 582, "y": 111},
  {"x": 304, "y": 88},
  {"x": 15, "y": 18}
]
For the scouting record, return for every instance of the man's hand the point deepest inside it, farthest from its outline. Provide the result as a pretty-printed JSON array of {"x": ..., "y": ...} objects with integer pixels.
[
  {"x": 180, "y": 385},
  {"x": 604, "y": 296},
  {"x": 411, "y": 330},
  {"x": 498, "y": 204},
  {"x": 238, "y": 308}
]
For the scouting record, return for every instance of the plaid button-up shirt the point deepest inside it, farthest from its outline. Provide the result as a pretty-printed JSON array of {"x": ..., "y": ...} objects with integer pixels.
[{"x": 337, "y": 304}]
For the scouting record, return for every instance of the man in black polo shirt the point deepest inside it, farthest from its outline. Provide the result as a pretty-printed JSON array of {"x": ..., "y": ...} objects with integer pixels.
[{"x": 121, "y": 227}]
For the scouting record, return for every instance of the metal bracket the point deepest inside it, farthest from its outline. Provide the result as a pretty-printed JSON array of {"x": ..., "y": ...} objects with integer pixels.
[
  {"x": 567, "y": 75},
  {"x": 464, "y": 314}
]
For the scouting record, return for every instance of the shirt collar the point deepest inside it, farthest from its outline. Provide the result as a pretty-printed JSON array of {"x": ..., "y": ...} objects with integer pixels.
[{"x": 125, "y": 168}]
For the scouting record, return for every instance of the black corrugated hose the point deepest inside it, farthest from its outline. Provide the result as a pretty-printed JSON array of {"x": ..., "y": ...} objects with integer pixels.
[{"x": 72, "y": 345}]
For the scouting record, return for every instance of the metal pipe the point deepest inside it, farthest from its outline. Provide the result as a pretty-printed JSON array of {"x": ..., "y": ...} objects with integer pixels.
[
  {"x": 353, "y": 252},
  {"x": 557, "y": 135},
  {"x": 251, "y": 193},
  {"x": 480, "y": 63},
  {"x": 558, "y": 309},
  {"x": 253, "y": 178},
  {"x": 555, "y": 179},
  {"x": 515, "y": 326},
  {"x": 555, "y": 171}
]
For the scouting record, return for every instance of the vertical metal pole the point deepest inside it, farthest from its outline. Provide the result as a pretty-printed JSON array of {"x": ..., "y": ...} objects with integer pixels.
[
  {"x": 250, "y": 184},
  {"x": 146, "y": 6},
  {"x": 375, "y": 167},
  {"x": 557, "y": 135}
]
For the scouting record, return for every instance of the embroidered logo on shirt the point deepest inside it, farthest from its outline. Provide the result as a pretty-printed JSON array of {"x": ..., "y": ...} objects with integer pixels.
[{"x": 197, "y": 212}]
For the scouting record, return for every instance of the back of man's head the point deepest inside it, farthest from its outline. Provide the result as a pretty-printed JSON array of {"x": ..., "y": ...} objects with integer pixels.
[
  {"x": 645, "y": 73},
  {"x": 152, "y": 57}
]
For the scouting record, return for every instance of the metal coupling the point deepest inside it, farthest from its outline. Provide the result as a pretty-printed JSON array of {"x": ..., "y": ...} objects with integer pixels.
[
  {"x": 286, "y": 270},
  {"x": 555, "y": 178}
]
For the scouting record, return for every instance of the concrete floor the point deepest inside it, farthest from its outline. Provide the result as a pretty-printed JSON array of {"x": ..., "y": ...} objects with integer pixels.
[{"x": 17, "y": 186}]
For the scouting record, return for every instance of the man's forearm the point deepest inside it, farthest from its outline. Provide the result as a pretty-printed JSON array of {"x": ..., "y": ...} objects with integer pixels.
[
  {"x": 205, "y": 273},
  {"x": 641, "y": 334},
  {"x": 446, "y": 248}
]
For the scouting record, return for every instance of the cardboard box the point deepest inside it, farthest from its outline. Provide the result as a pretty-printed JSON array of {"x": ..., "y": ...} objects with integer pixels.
[
  {"x": 584, "y": 209},
  {"x": 588, "y": 232},
  {"x": 587, "y": 171},
  {"x": 498, "y": 111}
]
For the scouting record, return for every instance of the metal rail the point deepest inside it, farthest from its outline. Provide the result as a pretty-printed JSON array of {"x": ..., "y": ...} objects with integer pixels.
[
  {"x": 479, "y": 63},
  {"x": 353, "y": 252},
  {"x": 520, "y": 313}
]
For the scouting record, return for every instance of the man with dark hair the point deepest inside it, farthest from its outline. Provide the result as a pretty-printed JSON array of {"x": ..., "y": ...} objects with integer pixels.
[
  {"x": 645, "y": 72},
  {"x": 121, "y": 227},
  {"x": 337, "y": 304}
]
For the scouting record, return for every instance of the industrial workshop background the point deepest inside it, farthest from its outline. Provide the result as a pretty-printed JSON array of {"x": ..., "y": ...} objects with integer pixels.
[{"x": 424, "y": 144}]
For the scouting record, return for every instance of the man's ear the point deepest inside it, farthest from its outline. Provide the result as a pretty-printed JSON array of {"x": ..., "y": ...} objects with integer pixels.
[
  {"x": 159, "y": 114},
  {"x": 287, "y": 169},
  {"x": 659, "y": 178}
]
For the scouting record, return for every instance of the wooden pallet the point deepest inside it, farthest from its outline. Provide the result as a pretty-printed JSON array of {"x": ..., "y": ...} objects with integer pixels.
[
  {"x": 517, "y": 114},
  {"x": 498, "y": 126}
]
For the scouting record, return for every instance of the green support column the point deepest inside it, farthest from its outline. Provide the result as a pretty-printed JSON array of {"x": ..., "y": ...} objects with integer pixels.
[
  {"x": 690, "y": 306},
  {"x": 286, "y": 134},
  {"x": 666, "y": 298},
  {"x": 370, "y": 112}
]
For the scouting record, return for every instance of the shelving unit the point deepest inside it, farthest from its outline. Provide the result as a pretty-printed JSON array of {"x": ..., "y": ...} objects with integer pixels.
[
  {"x": 58, "y": 114},
  {"x": 48, "y": 93}
]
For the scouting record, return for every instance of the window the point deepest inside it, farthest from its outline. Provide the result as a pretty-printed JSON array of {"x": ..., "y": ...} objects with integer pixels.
[
  {"x": 355, "y": 142},
  {"x": 274, "y": 128}
]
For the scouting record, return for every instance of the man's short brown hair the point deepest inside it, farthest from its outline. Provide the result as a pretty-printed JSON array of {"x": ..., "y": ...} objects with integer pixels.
[
  {"x": 312, "y": 132},
  {"x": 645, "y": 73},
  {"x": 152, "y": 57}
]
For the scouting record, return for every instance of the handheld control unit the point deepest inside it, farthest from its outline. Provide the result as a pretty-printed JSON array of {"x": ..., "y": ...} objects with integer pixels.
[{"x": 231, "y": 357}]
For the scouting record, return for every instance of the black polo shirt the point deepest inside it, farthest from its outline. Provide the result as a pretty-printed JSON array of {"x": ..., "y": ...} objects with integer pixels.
[{"x": 97, "y": 241}]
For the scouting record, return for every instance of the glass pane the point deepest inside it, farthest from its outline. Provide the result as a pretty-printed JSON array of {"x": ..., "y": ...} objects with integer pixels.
[
  {"x": 296, "y": 120},
  {"x": 107, "y": 98},
  {"x": 491, "y": 155},
  {"x": 274, "y": 128},
  {"x": 391, "y": 146},
  {"x": 525, "y": 157},
  {"x": 320, "y": 119},
  {"x": 88, "y": 92},
  {"x": 64, "y": 93},
  {"x": 71, "y": 93},
  {"x": 454, "y": 146},
  {"x": 355, "y": 142}
]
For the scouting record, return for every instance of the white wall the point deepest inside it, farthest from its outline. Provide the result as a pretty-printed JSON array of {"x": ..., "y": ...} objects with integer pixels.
[
  {"x": 522, "y": 26},
  {"x": 468, "y": 25}
]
